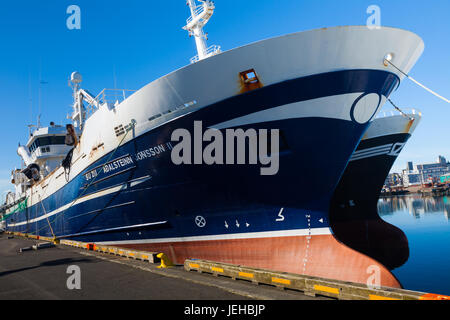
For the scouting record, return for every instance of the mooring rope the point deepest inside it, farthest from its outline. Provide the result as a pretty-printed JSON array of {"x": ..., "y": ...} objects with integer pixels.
[
  {"x": 417, "y": 82},
  {"x": 45, "y": 213},
  {"x": 40, "y": 200}
]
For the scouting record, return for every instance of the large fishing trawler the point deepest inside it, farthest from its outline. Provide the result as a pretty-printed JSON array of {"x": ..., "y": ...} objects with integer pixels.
[{"x": 320, "y": 89}]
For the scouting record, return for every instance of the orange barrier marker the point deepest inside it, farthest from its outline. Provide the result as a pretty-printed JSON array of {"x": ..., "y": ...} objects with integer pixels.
[{"x": 432, "y": 296}]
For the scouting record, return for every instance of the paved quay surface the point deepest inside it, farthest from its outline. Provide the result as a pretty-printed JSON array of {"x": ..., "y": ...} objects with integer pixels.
[{"x": 42, "y": 275}]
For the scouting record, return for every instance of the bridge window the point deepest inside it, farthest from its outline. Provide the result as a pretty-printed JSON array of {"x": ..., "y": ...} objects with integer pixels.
[{"x": 47, "y": 141}]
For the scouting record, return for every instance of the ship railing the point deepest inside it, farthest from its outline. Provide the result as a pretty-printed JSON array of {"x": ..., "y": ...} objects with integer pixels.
[
  {"x": 110, "y": 97},
  {"x": 197, "y": 11},
  {"x": 212, "y": 50},
  {"x": 391, "y": 113}
]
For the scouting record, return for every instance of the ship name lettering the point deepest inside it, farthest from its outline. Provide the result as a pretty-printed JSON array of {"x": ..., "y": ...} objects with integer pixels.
[
  {"x": 117, "y": 164},
  {"x": 91, "y": 174},
  {"x": 150, "y": 152}
]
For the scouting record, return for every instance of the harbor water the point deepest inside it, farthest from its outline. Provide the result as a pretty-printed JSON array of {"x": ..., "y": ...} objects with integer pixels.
[{"x": 425, "y": 221}]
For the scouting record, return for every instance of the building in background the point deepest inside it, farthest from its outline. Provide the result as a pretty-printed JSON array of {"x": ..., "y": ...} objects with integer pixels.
[
  {"x": 432, "y": 172},
  {"x": 425, "y": 173},
  {"x": 410, "y": 166},
  {"x": 411, "y": 178}
]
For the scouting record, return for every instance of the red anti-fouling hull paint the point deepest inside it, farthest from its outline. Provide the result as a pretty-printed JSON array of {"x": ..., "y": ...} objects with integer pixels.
[{"x": 318, "y": 255}]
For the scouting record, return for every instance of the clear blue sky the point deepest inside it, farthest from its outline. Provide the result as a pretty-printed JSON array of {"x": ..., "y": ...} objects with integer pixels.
[{"x": 143, "y": 40}]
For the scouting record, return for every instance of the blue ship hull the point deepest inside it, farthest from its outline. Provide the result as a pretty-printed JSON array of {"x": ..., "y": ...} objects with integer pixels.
[{"x": 136, "y": 197}]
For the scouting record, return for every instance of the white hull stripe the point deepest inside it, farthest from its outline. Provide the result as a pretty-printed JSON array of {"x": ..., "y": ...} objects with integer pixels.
[
  {"x": 371, "y": 155},
  {"x": 81, "y": 200},
  {"x": 233, "y": 236},
  {"x": 317, "y": 108},
  {"x": 116, "y": 229},
  {"x": 372, "y": 152},
  {"x": 389, "y": 145}
]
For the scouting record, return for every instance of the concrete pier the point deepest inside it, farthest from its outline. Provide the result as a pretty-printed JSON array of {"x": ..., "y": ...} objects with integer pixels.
[
  {"x": 77, "y": 270},
  {"x": 44, "y": 275}
]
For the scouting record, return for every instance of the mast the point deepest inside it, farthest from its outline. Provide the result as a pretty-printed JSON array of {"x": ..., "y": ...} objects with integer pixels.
[
  {"x": 80, "y": 95},
  {"x": 78, "y": 115},
  {"x": 200, "y": 15}
]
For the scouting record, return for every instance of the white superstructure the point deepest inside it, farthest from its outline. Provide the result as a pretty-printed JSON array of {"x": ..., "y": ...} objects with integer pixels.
[{"x": 43, "y": 152}]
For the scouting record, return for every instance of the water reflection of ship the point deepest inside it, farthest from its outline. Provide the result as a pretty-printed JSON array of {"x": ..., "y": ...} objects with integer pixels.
[
  {"x": 416, "y": 205},
  {"x": 353, "y": 215}
]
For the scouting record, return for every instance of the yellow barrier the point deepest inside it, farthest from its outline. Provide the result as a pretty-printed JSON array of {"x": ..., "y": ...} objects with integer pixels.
[
  {"x": 310, "y": 286},
  {"x": 132, "y": 254}
]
